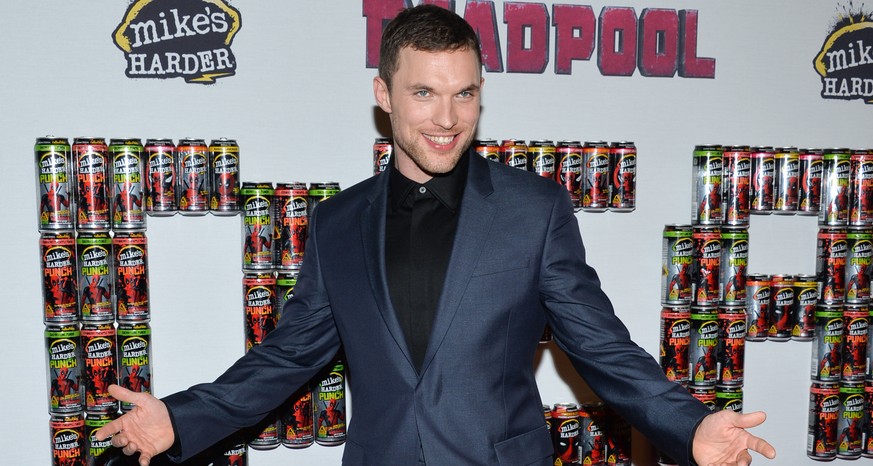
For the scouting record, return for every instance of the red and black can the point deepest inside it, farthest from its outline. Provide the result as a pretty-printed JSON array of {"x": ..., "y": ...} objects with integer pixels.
[
  {"x": 850, "y": 427},
  {"x": 675, "y": 339},
  {"x": 705, "y": 395},
  {"x": 96, "y": 286},
  {"x": 128, "y": 188},
  {"x": 135, "y": 349},
  {"x": 732, "y": 266},
  {"x": 160, "y": 158},
  {"x": 329, "y": 396},
  {"x": 707, "y": 172},
  {"x": 193, "y": 176},
  {"x": 677, "y": 264},
  {"x": 592, "y": 441},
  {"x": 542, "y": 155},
  {"x": 757, "y": 307},
  {"x": 320, "y": 192},
  {"x": 855, "y": 341},
  {"x": 618, "y": 439},
  {"x": 513, "y": 152},
  {"x": 383, "y": 149},
  {"x": 805, "y": 302},
  {"x": 729, "y": 398},
  {"x": 224, "y": 177},
  {"x": 835, "y": 185},
  {"x": 867, "y": 450},
  {"x": 547, "y": 413},
  {"x": 54, "y": 175},
  {"x": 298, "y": 420},
  {"x": 259, "y": 301},
  {"x": 59, "y": 277},
  {"x": 68, "y": 439},
  {"x": 623, "y": 176},
  {"x": 705, "y": 286},
  {"x": 703, "y": 346},
  {"x": 257, "y": 226},
  {"x": 131, "y": 276},
  {"x": 595, "y": 183},
  {"x": 763, "y": 173},
  {"x": 488, "y": 149},
  {"x": 99, "y": 452},
  {"x": 566, "y": 432},
  {"x": 64, "y": 351},
  {"x": 233, "y": 455},
  {"x": 292, "y": 224},
  {"x": 786, "y": 184},
  {"x": 824, "y": 415},
  {"x": 731, "y": 345},
  {"x": 827, "y": 345},
  {"x": 736, "y": 182},
  {"x": 861, "y": 201},
  {"x": 569, "y": 156},
  {"x": 92, "y": 178},
  {"x": 811, "y": 169},
  {"x": 859, "y": 255},
  {"x": 782, "y": 304},
  {"x": 830, "y": 265},
  {"x": 100, "y": 352}
]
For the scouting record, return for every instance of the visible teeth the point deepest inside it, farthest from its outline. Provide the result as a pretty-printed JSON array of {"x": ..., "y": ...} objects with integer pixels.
[{"x": 442, "y": 140}]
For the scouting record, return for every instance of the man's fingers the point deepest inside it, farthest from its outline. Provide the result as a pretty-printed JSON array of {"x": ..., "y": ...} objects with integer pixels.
[
  {"x": 144, "y": 459},
  {"x": 750, "y": 420},
  {"x": 122, "y": 394},
  {"x": 763, "y": 447},
  {"x": 109, "y": 430}
]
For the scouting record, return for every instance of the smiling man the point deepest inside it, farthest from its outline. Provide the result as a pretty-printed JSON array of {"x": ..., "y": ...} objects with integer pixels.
[{"x": 409, "y": 271}]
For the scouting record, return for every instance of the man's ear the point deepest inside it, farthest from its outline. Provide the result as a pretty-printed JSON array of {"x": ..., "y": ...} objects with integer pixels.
[{"x": 380, "y": 91}]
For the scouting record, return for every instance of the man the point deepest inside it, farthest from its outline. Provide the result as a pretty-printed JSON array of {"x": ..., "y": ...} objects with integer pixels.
[{"x": 438, "y": 278}]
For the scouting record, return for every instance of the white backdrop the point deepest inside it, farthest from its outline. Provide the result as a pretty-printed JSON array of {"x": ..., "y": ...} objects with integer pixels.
[{"x": 301, "y": 108}]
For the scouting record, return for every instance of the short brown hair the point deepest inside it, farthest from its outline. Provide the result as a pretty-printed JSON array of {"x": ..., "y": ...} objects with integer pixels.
[{"x": 428, "y": 28}]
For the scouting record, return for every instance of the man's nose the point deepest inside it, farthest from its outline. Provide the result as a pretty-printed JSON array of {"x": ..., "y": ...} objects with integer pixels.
[{"x": 446, "y": 115}]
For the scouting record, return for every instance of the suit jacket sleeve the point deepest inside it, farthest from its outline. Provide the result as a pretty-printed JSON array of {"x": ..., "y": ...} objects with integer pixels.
[
  {"x": 304, "y": 340},
  {"x": 599, "y": 345}
]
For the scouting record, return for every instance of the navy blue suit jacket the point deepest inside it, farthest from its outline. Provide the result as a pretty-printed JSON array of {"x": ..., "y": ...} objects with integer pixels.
[{"x": 517, "y": 263}]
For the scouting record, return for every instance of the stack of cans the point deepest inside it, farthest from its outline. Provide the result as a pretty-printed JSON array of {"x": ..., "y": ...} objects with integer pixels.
[{"x": 588, "y": 433}]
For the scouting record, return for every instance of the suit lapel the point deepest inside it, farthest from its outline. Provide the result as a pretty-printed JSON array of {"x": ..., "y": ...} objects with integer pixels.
[{"x": 474, "y": 224}]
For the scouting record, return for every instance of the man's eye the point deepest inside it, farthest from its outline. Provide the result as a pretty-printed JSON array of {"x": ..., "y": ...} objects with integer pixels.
[{"x": 422, "y": 93}]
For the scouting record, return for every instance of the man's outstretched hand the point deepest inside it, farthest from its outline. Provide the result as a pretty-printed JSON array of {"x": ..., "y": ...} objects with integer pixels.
[
  {"x": 721, "y": 439},
  {"x": 146, "y": 428}
]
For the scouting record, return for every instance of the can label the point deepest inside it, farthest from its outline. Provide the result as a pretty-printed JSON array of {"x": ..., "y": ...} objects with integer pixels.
[
  {"x": 298, "y": 421},
  {"x": 131, "y": 276},
  {"x": 285, "y": 283},
  {"x": 868, "y": 428},
  {"x": 570, "y": 169},
  {"x": 64, "y": 367},
  {"x": 706, "y": 207},
  {"x": 782, "y": 307},
  {"x": 805, "y": 302},
  {"x": 703, "y": 348},
  {"x": 54, "y": 172},
  {"x": 595, "y": 190},
  {"x": 194, "y": 177},
  {"x": 514, "y": 153},
  {"x": 855, "y": 340},
  {"x": 824, "y": 414},
  {"x": 59, "y": 278},
  {"x": 127, "y": 185},
  {"x": 383, "y": 149},
  {"x": 811, "y": 169},
  {"x": 830, "y": 265},
  {"x": 259, "y": 293},
  {"x": 257, "y": 226},
  {"x": 675, "y": 339},
  {"x": 732, "y": 346},
  {"x": 161, "y": 163},
  {"x": 542, "y": 154},
  {"x": 859, "y": 247},
  {"x": 677, "y": 255},
  {"x": 330, "y": 406},
  {"x": 732, "y": 267},
  {"x": 236, "y": 455},
  {"x": 320, "y": 192},
  {"x": 623, "y": 179},
  {"x": 92, "y": 190},
  {"x": 758, "y": 307},
  {"x": 101, "y": 366},
  {"x": 705, "y": 395},
  {"x": 737, "y": 168},
  {"x": 861, "y": 202},
  {"x": 729, "y": 398},
  {"x": 94, "y": 259},
  {"x": 592, "y": 445},
  {"x": 707, "y": 263},
  {"x": 618, "y": 439},
  {"x": 763, "y": 171},
  {"x": 268, "y": 438},
  {"x": 566, "y": 433},
  {"x": 134, "y": 341},
  {"x": 99, "y": 452},
  {"x": 850, "y": 426},
  {"x": 835, "y": 189},
  {"x": 827, "y": 358},
  {"x": 225, "y": 185},
  {"x": 291, "y": 202},
  {"x": 68, "y": 439},
  {"x": 786, "y": 184}
]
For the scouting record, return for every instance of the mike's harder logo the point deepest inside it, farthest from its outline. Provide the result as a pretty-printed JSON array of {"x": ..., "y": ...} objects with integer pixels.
[
  {"x": 845, "y": 61},
  {"x": 187, "y": 39}
]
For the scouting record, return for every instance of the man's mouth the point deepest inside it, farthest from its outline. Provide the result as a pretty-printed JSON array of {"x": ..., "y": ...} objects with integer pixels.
[{"x": 440, "y": 140}]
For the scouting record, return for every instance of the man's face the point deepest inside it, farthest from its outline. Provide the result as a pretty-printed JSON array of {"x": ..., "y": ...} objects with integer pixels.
[{"x": 434, "y": 107}]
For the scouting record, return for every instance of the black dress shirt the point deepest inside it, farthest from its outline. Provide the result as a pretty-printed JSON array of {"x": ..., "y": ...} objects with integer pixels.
[{"x": 420, "y": 229}]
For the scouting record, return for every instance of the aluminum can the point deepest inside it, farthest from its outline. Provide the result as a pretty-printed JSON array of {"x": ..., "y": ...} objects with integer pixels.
[
  {"x": 595, "y": 183},
  {"x": 763, "y": 173},
  {"x": 59, "y": 277},
  {"x": 707, "y": 262},
  {"x": 224, "y": 177},
  {"x": 513, "y": 152},
  {"x": 54, "y": 175},
  {"x": 729, "y": 398},
  {"x": 298, "y": 420},
  {"x": 383, "y": 149},
  {"x": 135, "y": 350},
  {"x": 861, "y": 179},
  {"x": 233, "y": 455},
  {"x": 733, "y": 264},
  {"x": 782, "y": 304},
  {"x": 859, "y": 253},
  {"x": 128, "y": 189},
  {"x": 830, "y": 265},
  {"x": 161, "y": 194},
  {"x": 329, "y": 396},
  {"x": 542, "y": 155},
  {"x": 68, "y": 439},
  {"x": 675, "y": 339},
  {"x": 805, "y": 302},
  {"x": 867, "y": 450},
  {"x": 64, "y": 351},
  {"x": 703, "y": 346},
  {"x": 566, "y": 431},
  {"x": 786, "y": 184},
  {"x": 592, "y": 441},
  {"x": 569, "y": 157},
  {"x": 100, "y": 353},
  {"x": 257, "y": 226},
  {"x": 869, "y": 373},
  {"x": 731, "y": 345},
  {"x": 488, "y": 149},
  {"x": 193, "y": 176},
  {"x": 259, "y": 302},
  {"x": 824, "y": 415},
  {"x": 707, "y": 172},
  {"x": 285, "y": 283},
  {"x": 677, "y": 259},
  {"x": 809, "y": 191},
  {"x": 99, "y": 452},
  {"x": 623, "y": 176},
  {"x": 131, "y": 276},
  {"x": 827, "y": 357},
  {"x": 269, "y": 438},
  {"x": 757, "y": 307},
  {"x": 834, "y": 210},
  {"x": 704, "y": 394},
  {"x": 850, "y": 426},
  {"x": 291, "y": 224},
  {"x": 736, "y": 183},
  {"x": 855, "y": 341},
  {"x": 94, "y": 261},
  {"x": 320, "y": 192},
  {"x": 92, "y": 191},
  {"x": 618, "y": 439},
  {"x": 547, "y": 413}
]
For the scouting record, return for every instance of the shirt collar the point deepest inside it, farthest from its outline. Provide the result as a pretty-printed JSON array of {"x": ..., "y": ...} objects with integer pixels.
[{"x": 447, "y": 188}]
